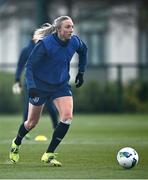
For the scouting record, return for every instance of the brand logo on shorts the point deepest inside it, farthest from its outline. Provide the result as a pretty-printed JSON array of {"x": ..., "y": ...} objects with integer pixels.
[{"x": 36, "y": 99}]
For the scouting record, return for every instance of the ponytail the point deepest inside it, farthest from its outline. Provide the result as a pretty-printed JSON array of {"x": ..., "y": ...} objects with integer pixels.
[{"x": 43, "y": 31}]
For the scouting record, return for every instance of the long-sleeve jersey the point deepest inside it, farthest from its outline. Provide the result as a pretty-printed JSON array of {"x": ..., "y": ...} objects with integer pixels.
[
  {"x": 23, "y": 59},
  {"x": 49, "y": 62}
]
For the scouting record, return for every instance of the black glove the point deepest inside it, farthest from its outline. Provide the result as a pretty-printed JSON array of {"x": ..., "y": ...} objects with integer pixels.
[
  {"x": 79, "y": 79},
  {"x": 33, "y": 93}
]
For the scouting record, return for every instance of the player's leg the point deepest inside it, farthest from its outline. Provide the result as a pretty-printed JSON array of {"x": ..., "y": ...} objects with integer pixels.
[
  {"x": 26, "y": 105},
  {"x": 53, "y": 113},
  {"x": 26, "y": 102},
  {"x": 65, "y": 109},
  {"x": 33, "y": 118}
]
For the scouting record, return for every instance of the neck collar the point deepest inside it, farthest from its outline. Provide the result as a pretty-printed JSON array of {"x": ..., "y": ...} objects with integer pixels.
[{"x": 62, "y": 43}]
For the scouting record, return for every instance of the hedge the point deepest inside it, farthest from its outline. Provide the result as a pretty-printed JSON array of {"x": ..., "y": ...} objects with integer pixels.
[{"x": 92, "y": 97}]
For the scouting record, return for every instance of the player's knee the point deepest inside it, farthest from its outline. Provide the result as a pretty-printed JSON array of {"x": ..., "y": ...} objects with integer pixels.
[
  {"x": 67, "y": 118},
  {"x": 67, "y": 115}
]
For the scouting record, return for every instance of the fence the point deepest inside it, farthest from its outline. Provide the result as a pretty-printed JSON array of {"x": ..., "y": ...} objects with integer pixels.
[
  {"x": 112, "y": 83},
  {"x": 123, "y": 75}
]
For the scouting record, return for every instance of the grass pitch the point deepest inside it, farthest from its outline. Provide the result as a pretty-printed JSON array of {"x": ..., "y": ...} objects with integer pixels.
[{"x": 87, "y": 152}]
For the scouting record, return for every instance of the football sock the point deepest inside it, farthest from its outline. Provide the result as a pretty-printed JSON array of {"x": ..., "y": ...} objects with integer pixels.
[
  {"x": 21, "y": 133},
  {"x": 58, "y": 135}
]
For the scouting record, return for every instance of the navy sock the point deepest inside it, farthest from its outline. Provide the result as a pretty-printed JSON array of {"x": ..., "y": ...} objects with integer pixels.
[
  {"x": 21, "y": 133},
  {"x": 58, "y": 135}
]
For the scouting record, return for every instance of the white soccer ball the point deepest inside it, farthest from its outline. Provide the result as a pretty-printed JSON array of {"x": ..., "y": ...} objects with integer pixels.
[{"x": 127, "y": 157}]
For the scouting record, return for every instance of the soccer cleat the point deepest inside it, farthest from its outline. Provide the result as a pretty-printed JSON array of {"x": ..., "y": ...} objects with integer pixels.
[
  {"x": 50, "y": 159},
  {"x": 14, "y": 152}
]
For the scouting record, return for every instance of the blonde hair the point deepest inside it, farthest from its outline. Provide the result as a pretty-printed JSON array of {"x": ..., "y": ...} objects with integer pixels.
[{"x": 47, "y": 28}]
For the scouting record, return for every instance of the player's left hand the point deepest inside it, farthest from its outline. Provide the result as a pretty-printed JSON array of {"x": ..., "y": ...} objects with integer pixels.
[{"x": 79, "y": 79}]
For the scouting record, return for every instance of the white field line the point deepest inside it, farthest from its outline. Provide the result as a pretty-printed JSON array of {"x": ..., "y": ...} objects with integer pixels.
[{"x": 87, "y": 142}]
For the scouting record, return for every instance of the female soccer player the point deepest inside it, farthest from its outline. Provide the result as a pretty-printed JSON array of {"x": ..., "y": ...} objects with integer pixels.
[{"x": 47, "y": 76}]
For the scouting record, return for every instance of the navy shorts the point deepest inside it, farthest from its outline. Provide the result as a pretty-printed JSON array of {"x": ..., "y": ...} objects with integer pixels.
[{"x": 45, "y": 96}]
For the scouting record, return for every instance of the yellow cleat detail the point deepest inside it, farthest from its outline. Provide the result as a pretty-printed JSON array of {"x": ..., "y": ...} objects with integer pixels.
[
  {"x": 50, "y": 159},
  {"x": 14, "y": 153}
]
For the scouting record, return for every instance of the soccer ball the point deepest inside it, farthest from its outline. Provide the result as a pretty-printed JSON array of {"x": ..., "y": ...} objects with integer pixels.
[{"x": 127, "y": 157}]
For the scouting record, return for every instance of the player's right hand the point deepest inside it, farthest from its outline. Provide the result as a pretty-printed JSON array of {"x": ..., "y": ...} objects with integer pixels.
[
  {"x": 79, "y": 79},
  {"x": 17, "y": 88}
]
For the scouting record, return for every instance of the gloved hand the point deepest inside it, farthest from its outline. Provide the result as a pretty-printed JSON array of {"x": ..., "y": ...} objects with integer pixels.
[
  {"x": 79, "y": 79},
  {"x": 33, "y": 93},
  {"x": 17, "y": 88}
]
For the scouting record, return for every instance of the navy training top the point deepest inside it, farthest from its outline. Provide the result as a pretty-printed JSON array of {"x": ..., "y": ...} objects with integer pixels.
[{"x": 49, "y": 62}]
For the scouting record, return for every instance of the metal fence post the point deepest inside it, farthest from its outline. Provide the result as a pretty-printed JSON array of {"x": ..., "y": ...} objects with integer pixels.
[{"x": 119, "y": 89}]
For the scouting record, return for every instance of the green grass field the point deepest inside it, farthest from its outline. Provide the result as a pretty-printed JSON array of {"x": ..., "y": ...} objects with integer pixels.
[{"x": 87, "y": 152}]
